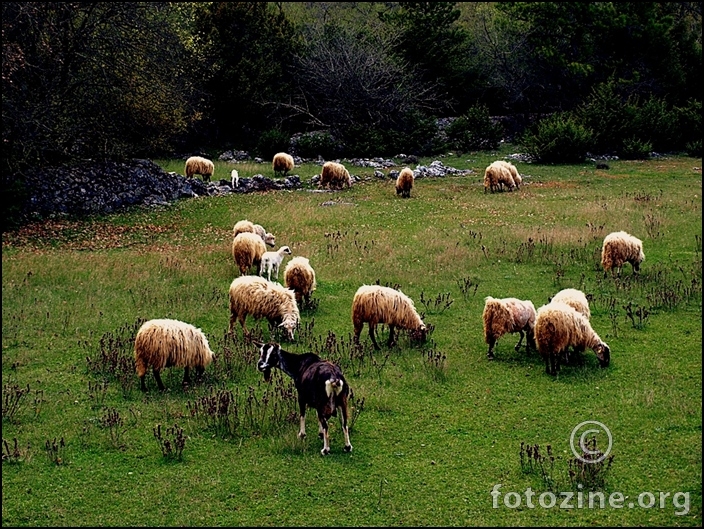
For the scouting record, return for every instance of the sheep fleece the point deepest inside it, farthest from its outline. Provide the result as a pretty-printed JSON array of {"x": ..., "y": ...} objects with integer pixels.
[
  {"x": 299, "y": 276},
  {"x": 198, "y": 165},
  {"x": 378, "y": 304},
  {"x": 165, "y": 343},
  {"x": 262, "y": 299},
  {"x": 247, "y": 251}
]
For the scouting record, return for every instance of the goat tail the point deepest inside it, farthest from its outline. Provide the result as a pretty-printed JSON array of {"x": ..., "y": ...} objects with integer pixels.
[{"x": 333, "y": 386}]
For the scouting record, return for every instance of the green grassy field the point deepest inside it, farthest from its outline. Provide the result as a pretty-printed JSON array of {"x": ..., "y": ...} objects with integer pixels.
[{"x": 436, "y": 426}]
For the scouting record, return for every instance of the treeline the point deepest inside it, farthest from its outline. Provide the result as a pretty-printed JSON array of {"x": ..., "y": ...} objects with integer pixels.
[{"x": 109, "y": 80}]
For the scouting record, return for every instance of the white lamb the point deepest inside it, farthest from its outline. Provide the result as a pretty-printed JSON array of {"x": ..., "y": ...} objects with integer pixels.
[
  {"x": 235, "y": 179},
  {"x": 558, "y": 327},
  {"x": 271, "y": 262}
]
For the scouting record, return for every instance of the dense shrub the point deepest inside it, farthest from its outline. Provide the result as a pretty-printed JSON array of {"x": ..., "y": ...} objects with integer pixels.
[
  {"x": 635, "y": 149},
  {"x": 474, "y": 131},
  {"x": 271, "y": 142},
  {"x": 559, "y": 138},
  {"x": 314, "y": 144},
  {"x": 689, "y": 124}
]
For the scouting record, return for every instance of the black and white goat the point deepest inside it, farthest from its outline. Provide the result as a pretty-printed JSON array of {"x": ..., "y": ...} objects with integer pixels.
[{"x": 320, "y": 385}]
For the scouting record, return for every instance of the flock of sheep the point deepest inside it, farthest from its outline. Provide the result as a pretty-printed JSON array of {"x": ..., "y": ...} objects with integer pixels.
[{"x": 561, "y": 325}]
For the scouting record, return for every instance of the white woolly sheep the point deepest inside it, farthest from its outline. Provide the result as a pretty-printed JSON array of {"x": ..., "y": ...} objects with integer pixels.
[
  {"x": 247, "y": 251},
  {"x": 374, "y": 304},
  {"x": 506, "y": 316},
  {"x": 271, "y": 262},
  {"x": 163, "y": 343},
  {"x": 335, "y": 175},
  {"x": 199, "y": 165},
  {"x": 282, "y": 163},
  {"x": 246, "y": 226},
  {"x": 620, "y": 247},
  {"x": 299, "y": 276},
  {"x": 235, "y": 176},
  {"x": 263, "y": 299},
  {"x": 575, "y": 299},
  {"x": 404, "y": 182},
  {"x": 517, "y": 178},
  {"x": 496, "y": 175},
  {"x": 558, "y": 326},
  {"x": 319, "y": 383}
]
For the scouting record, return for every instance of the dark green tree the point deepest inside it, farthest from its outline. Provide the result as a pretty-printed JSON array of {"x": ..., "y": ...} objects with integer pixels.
[
  {"x": 89, "y": 80},
  {"x": 439, "y": 49},
  {"x": 248, "y": 47}
]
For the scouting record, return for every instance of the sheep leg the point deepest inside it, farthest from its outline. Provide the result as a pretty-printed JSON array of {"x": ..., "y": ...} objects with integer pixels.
[
  {"x": 372, "y": 328},
  {"x": 518, "y": 345},
  {"x": 142, "y": 384},
  {"x": 357, "y": 332},
  {"x": 391, "y": 341},
  {"x": 186, "y": 377},
  {"x": 157, "y": 376},
  {"x": 491, "y": 341}
]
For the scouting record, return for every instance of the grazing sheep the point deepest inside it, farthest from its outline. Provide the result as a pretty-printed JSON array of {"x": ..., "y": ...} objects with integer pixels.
[
  {"x": 263, "y": 299},
  {"x": 619, "y": 247},
  {"x": 575, "y": 299},
  {"x": 247, "y": 251},
  {"x": 404, "y": 182},
  {"x": 271, "y": 261},
  {"x": 496, "y": 175},
  {"x": 299, "y": 276},
  {"x": 376, "y": 304},
  {"x": 245, "y": 226},
  {"x": 517, "y": 178},
  {"x": 335, "y": 175},
  {"x": 166, "y": 343},
  {"x": 235, "y": 179},
  {"x": 199, "y": 165},
  {"x": 320, "y": 385},
  {"x": 282, "y": 163},
  {"x": 508, "y": 315},
  {"x": 558, "y": 326}
]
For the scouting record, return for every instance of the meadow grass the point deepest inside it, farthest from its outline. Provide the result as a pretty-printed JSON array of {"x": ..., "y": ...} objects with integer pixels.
[{"x": 435, "y": 426}]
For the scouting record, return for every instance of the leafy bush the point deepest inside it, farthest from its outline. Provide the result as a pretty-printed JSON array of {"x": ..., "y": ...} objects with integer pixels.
[
  {"x": 314, "y": 144},
  {"x": 689, "y": 123},
  {"x": 271, "y": 142},
  {"x": 608, "y": 116},
  {"x": 635, "y": 149},
  {"x": 559, "y": 138},
  {"x": 656, "y": 124},
  {"x": 474, "y": 131}
]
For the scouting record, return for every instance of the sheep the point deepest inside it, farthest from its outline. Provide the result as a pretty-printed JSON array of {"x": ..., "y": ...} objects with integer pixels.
[
  {"x": 335, "y": 175},
  {"x": 199, "y": 165},
  {"x": 263, "y": 299},
  {"x": 559, "y": 326},
  {"x": 162, "y": 343},
  {"x": 245, "y": 225},
  {"x": 235, "y": 176},
  {"x": 282, "y": 163},
  {"x": 247, "y": 251},
  {"x": 271, "y": 262},
  {"x": 404, "y": 182},
  {"x": 517, "y": 178},
  {"x": 496, "y": 175},
  {"x": 376, "y": 304},
  {"x": 575, "y": 299},
  {"x": 299, "y": 276},
  {"x": 508, "y": 315},
  {"x": 320, "y": 384},
  {"x": 620, "y": 247}
]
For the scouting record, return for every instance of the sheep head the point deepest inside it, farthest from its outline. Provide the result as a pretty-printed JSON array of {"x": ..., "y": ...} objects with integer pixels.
[{"x": 603, "y": 353}]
